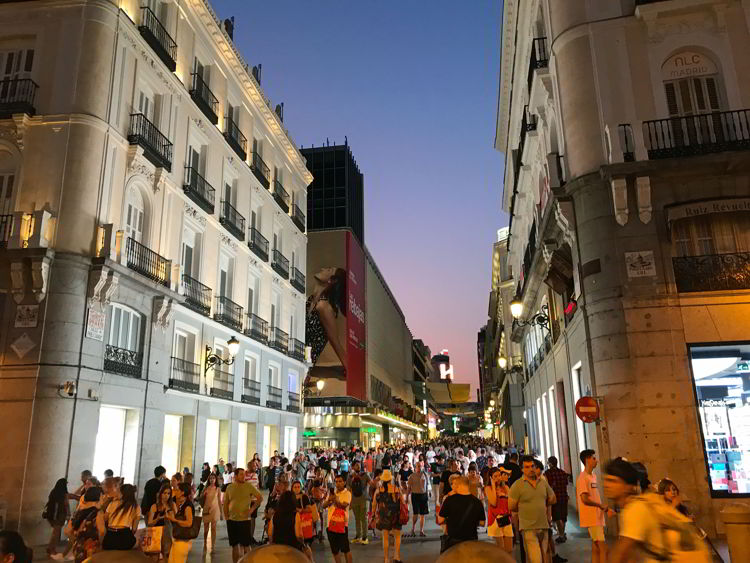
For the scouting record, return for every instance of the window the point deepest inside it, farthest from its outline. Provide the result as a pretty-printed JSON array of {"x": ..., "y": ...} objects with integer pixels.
[
  {"x": 251, "y": 368},
  {"x": 184, "y": 345},
  {"x": 691, "y": 84},
  {"x": 170, "y": 448},
  {"x": 134, "y": 214},
  {"x": 253, "y": 290},
  {"x": 274, "y": 375},
  {"x": 545, "y": 419},
  {"x": 190, "y": 252},
  {"x": 124, "y": 328},
  {"x": 7, "y": 182},
  {"x": 212, "y": 441},
  {"x": 275, "y": 309},
  {"x": 116, "y": 442},
  {"x": 553, "y": 424},
  {"x": 290, "y": 440},
  {"x": 715, "y": 233},
  {"x": 540, "y": 431},
  {"x": 293, "y": 378},
  {"x": 15, "y": 64},
  {"x": 226, "y": 273}
]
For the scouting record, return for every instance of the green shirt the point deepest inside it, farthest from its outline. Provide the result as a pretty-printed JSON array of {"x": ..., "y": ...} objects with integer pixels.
[
  {"x": 532, "y": 503},
  {"x": 238, "y": 497}
]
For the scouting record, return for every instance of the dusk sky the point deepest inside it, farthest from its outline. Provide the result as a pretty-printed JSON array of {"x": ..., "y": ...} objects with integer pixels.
[{"x": 413, "y": 85}]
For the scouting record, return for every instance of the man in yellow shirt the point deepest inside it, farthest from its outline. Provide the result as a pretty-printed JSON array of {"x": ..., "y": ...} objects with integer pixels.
[{"x": 240, "y": 500}]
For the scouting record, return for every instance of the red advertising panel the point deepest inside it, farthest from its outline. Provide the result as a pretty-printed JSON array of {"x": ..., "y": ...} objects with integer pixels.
[{"x": 356, "y": 327}]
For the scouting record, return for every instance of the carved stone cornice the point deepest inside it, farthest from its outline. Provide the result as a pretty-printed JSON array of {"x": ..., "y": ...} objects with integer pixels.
[
  {"x": 103, "y": 283},
  {"x": 138, "y": 165},
  {"x": 226, "y": 240},
  {"x": 145, "y": 54},
  {"x": 14, "y": 129},
  {"x": 663, "y": 19},
  {"x": 194, "y": 214},
  {"x": 163, "y": 312}
]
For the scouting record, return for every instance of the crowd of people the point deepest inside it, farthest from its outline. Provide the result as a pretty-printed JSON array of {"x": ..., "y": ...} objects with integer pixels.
[{"x": 389, "y": 492}]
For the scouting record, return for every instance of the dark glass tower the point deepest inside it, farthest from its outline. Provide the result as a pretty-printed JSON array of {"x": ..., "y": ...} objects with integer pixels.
[{"x": 335, "y": 199}]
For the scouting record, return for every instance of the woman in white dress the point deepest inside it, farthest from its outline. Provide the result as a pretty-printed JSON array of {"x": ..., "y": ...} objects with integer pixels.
[{"x": 211, "y": 502}]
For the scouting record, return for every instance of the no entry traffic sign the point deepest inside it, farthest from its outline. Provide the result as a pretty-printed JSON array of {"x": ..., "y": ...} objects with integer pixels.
[{"x": 587, "y": 409}]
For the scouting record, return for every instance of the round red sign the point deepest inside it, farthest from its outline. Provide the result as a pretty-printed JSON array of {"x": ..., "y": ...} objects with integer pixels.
[{"x": 587, "y": 409}]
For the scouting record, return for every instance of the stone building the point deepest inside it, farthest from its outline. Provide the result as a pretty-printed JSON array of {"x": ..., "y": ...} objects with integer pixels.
[
  {"x": 152, "y": 212},
  {"x": 626, "y": 181}
]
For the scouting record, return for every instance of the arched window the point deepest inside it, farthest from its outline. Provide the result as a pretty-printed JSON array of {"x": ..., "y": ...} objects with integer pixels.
[
  {"x": 124, "y": 327},
  {"x": 713, "y": 233},
  {"x": 135, "y": 211},
  {"x": 692, "y": 84}
]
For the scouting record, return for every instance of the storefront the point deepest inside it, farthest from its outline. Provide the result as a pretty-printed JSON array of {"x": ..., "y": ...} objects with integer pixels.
[{"x": 721, "y": 377}]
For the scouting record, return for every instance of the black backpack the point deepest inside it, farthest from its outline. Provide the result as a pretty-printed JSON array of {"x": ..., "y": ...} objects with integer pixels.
[{"x": 357, "y": 486}]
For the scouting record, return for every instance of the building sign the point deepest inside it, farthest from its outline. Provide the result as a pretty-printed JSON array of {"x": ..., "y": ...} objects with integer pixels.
[
  {"x": 640, "y": 264},
  {"x": 685, "y": 64},
  {"x": 696, "y": 209},
  {"x": 95, "y": 322},
  {"x": 308, "y": 434},
  {"x": 27, "y": 316},
  {"x": 356, "y": 378}
]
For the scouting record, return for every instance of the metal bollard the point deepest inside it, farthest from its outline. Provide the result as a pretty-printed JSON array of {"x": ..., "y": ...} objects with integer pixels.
[{"x": 736, "y": 518}]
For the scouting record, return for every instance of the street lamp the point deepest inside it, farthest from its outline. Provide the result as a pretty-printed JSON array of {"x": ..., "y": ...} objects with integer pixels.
[
  {"x": 541, "y": 319},
  {"x": 492, "y": 402},
  {"x": 502, "y": 362},
  {"x": 213, "y": 359},
  {"x": 320, "y": 384}
]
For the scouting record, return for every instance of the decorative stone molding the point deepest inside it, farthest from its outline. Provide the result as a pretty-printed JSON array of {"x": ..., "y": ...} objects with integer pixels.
[
  {"x": 620, "y": 199},
  {"x": 156, "y": 66},
  {"x": 194, "y": 214},
  {"x": 163, "y": 312},
  {"x": 199, "y": 123},
  {"x": 16, "y": 281},
  {"x": 14, "y": 131},
  {"x": 662, "y": 21},
  {"x": 563, "y": 216},
  {"x": 103, "y": 283},
  {"x": 40, "y": 278},
  {"x": 226, "y": 240},
  {"x": 139, "y": 166},
  {"x": 275, "y": 280},
  {"x": 643, "y": 197},
  {"x": 253, "y": 262}
]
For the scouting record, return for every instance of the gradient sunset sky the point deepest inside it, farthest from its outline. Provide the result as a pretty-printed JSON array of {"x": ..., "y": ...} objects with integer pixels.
[{"x": 413, "y": 85}]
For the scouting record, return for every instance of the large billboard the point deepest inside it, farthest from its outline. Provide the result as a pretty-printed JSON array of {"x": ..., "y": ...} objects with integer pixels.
[{"x": 336, "y": 316}]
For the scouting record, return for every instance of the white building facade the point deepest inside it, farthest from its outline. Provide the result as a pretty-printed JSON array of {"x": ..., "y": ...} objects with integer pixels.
[{"x": 152, "y": 207}]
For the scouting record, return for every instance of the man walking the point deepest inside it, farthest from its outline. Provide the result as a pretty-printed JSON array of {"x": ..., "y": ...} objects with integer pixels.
[
  {"x": 338, "y": 520},
  {"x": 515, "y": 469},
  {"x": 558, "y": 480},
  {"x": 445, "y": 478},
  {"x": 530, "y": 496},
  {"x": 591, "y": 511},
  {"x": 462, "y": 513},
  {"x": 358, "y": 484},
  {"x": 417, "y": 486},
  {"x": 240, "y": 501},
  {"x": 436, "y": 469}
]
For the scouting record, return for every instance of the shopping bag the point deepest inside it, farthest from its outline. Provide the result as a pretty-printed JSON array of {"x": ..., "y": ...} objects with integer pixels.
[
  {"x": 403, "y": 513},
  {"x": 307, "y": 524},
  {"x": 338, "y": 520},
  {"x": 151, "y": 540}
]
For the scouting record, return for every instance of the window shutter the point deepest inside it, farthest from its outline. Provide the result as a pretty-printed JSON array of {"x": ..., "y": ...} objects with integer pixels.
[
  {"x": 672, "y": 106},
  {"x": 713, "y": 94}
]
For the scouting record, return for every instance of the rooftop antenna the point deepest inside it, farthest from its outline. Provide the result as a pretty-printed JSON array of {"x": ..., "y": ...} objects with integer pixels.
[
  {"x": 229, "y": 27},
  {"x": 328, "y": 144}
]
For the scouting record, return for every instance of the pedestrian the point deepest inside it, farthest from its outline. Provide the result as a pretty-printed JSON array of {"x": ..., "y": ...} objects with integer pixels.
[
  {"x": 668, "y": 489},
  {"x": 515, "y": 469},
  {"x": 182, "y": 523},
  {"x": 82, "y": 529},
  {"x": 417, "y": 486},
  {"x": 437, "y": 466},
  {"x": 119, "y": 522},
  {"x": 210, "y": 500},
  {"x": 338, "y": 521},
  {"x": 558, "y": 480},
  {"x": 157, "y": 517},
  {"x": 475, "y": 481},
  {"x": 285, "y": 528},
  {"x": 530, "y": 497},
  {"x": 252, "y": 476},
  {"x": 13, "y": 549},
  {"x": 591, "y": 511},
  {"x": 308, "y": 514},
  {"x": 462, "y": 514},
  {"x": 387, "y": 499},
  {"x": 358, "y": 484},
  {"x": 240, "y": 500},
  {"x": 56, "y": 512},
  {"x": 151, "y": 488},
  {"x": 489, "y": 465},
  {"x": 445, "y": 484},
  {"x": 496, "y": 491}
]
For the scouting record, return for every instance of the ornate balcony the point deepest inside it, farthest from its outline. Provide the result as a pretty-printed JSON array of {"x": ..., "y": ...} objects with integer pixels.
[
  {"x": 539, "y": 58},
  {"x": 6, "y": 229},
  {"x": 200, "y": 191},
  {"x": 256, "y": 328},
  {"x": 222, "y": 385},
  {"x": 197, "y": 295},
  {"x": 258, "y": 243},
  {"x": 122, "y": 361},
  {"x": 712, "y": 272},
  {"x": 298, "y": 218},
  {"x": 279, "y": 340},
  {"x": 280, "y": 264},
  {"x": 148, "y": 263},
  {"x": 293, "y": 402},
  {"x": 186, "y": 376},
  {"x": 298, "y": 280},
  {"x": 158, "y": 39},
  {"x": 297, "y": 349},
  {"x": 281, "y": 196},
  {"x": 228, "y": 313},
  {"x": 697, "y": 134},
  {"x": 273, "y": 401},
  {"x": 156, "y": 147},
  {"x": 232, "y": 220},
  {"x": 251, "y": 391},
  {"x": 235, "y": 138},
  {"x": 204, "y": 98},
  {"x": 17, "y": 96},
  {"x": 261, "y": 170}
]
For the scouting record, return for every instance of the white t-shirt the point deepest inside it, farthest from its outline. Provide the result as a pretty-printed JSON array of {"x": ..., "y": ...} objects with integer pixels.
[
  {"x": 342, "y": 497},
  {"x": 638, "y": 522},
  {"x": 252, "y": 478}
]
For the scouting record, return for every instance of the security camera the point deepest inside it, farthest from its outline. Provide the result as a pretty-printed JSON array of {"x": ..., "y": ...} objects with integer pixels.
[{"x": 69, "y": 388}]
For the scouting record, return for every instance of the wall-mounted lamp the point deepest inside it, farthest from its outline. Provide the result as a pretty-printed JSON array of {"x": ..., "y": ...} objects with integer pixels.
[
  {"x": 541, "y": 319},
  {"x": 213, "y": 360},
  {"x": 502, "y": 362}
]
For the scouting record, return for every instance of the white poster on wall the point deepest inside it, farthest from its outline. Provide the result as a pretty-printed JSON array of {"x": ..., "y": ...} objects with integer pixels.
[{"x": 640, "y": 264}]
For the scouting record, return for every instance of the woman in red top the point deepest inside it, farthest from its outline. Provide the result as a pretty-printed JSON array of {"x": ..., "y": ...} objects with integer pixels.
[{"x": 498, "y": 514}]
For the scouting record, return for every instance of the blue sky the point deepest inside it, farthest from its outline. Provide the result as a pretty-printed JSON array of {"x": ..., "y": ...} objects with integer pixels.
[{"x": 413, "y": 85}]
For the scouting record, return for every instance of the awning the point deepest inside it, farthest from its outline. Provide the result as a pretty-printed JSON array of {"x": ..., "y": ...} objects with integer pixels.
[
  {"x": 449, "y": 392},
  {"x": 369, "y": 413}
]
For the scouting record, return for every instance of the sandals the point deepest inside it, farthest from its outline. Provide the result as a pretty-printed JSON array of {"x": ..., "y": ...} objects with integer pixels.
[{"x": 422, "y": 535}]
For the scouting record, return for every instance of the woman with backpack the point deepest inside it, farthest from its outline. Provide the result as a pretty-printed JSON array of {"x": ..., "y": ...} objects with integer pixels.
[
  {"x": 56, "y": 512},
  {"x": 183, "y": 531},
  {"x": 387, "y": 499}
]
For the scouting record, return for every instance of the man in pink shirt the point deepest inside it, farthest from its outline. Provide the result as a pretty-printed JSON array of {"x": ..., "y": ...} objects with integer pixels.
[{"x": 591, "y": 511}]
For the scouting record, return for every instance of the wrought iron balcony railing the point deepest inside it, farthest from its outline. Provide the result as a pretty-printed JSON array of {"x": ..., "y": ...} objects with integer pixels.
[
  {"x": 232, "y": 220},
  {"x": 156, "y": 147},
  {"x": 539, "y": 58},
  {"x": 222, "y": 384},
  {"x": 158, "y": 38},
  {"x": 186, "y": 376},
  {"x": 273, "y": 400},
  {"x": 257, "y": 328},
  {"x": 279, "y": 340},
  {"x": 251, "y": 391},
  {"x": 122, "y": 361},
  {"x": 146, "y": 262},
  {"x": 280, "y": 264},
  {"x": 293, "y": 403},
  {"x": 199, "y": 190},
  {"x": 261, "y": 170},
  {"x": 258, "y": 243},
  {"x": 712, "y": 272},
  {"x": 298, "y": 218},
  {"x": 281, "y": 196},
  {"x": 697, "y": 134},
  {"x": 204, "y": 98},
  {"x": 298, "y": 280},
  {"x": 235, "y": 138},
  {"x": 297, "y": 349},
  {"x": 6, "y": 229},
  {"x": 228, "y": 313},
  {"x": 17, "y": 96},
  {"x": 197, "y": 295}
]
